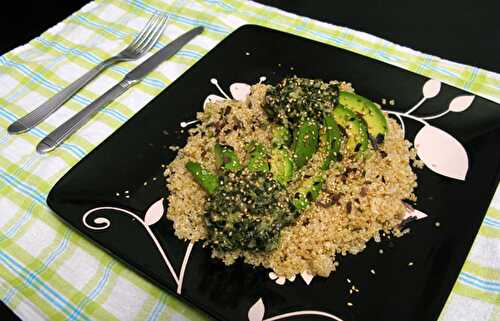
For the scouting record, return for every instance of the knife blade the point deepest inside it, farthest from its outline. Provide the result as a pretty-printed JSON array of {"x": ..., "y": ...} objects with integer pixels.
[
  {"x": 168, "y": 51},
  {"x": 61, "y": 133}
]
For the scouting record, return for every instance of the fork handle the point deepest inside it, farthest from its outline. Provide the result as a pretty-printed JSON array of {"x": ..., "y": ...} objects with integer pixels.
[
  {"x": 50, "y": 106},
  {"x": 66, "y": 129}
]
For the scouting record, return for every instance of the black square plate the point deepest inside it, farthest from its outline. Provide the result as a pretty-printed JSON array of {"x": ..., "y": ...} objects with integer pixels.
[{"x": 134, "y": 154}]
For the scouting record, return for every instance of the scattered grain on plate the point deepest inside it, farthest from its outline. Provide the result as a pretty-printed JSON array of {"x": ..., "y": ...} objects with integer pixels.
[
  {"x": 349, "y": 304},
  {"x": 117, "y": 194},
  {"x": 145, "y": 183},
  {"x": 384, "y": 101},
  {"x": 380, "y": 251},
  {"x": 127, "y": 196},
  {"x": 372, "y": 271},
  {"x": 330, "y": 231},
  {"x": 350, "y": 291},
  {"x": 126, "y": 192},
  {"x": 154, "y": 178},
  {"x": 410, "y": 264},
  {"x": 247, "y": 53},
  {"x": 348, "y": 280},
  {"x": 392, "y": 102},
  {"x": 174, "y": 148},
  {"x": 437, "y": 224}
]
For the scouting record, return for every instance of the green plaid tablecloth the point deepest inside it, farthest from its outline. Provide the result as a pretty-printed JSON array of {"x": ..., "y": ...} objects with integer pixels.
[{"x": 47, "y": 271}]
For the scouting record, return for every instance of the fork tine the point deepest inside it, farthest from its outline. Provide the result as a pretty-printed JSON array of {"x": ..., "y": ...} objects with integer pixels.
[
  {"x": 147, "y": 35},
  {"x": 143, "y": 34},
  {"x": 156, "y": 36}
]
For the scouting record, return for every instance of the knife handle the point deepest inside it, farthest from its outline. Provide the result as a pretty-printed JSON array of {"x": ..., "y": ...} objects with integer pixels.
[
  {"x": 69, "y": 127},
  {"x": 50, "y": 106}
]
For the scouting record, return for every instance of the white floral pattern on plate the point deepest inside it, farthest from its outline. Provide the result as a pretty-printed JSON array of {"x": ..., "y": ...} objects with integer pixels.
[
  {"x": 257, "y": 311},
  {"x": 439, "y": 151},
  {"x": 153, "y": 215}
]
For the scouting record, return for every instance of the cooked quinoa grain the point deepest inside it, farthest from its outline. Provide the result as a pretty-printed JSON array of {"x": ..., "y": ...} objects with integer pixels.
[{"x": 361, "y": 197}]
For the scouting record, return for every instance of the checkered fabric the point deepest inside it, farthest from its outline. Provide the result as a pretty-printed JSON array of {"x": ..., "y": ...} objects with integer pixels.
[{"x": 47, "y": 271}]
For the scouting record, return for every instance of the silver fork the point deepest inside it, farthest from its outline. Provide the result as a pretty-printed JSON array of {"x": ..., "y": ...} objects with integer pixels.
[{"x": 142, "y": 43}]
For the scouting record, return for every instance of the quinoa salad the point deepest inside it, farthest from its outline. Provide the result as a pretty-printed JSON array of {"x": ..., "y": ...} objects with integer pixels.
[{"x": 294, "y": 176}]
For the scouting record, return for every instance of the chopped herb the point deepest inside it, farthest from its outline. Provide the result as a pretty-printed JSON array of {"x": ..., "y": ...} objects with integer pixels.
[
  {"x": 248, "y": 212},
  {"x": 295, "y": 99}
]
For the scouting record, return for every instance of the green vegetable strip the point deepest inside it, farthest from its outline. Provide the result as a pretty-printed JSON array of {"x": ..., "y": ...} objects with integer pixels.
[
  {"x": 226, "y": 157},
  {"x": 258, "y": 159},
  {"x": 308, "y": 191},
  {"x": 205, "y": 178},
  {"x": 281, "y": 136},
  {"x": 305, "y": 142},
  {"x": 281, "y": 165},
  {"x": 354, "y": 127},
  {"x": 333, "y": 138},
  {"x": 311, "y": 187}
]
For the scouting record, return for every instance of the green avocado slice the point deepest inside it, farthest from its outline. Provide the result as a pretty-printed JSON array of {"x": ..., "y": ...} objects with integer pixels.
[
  {"x": 372, "y": 115},
  {"x": 305, "y": 142},
  {"x": 354, "y": 128},
  {"x": 281, "y": 165},
  {"x": 332, "y": 139}
]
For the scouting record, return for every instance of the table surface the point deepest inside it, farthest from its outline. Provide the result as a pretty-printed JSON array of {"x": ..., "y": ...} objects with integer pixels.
[{"x": 462, "y": 31}]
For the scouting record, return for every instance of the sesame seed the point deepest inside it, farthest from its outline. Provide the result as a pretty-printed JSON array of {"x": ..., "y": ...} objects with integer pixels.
[
  {"x": 372, "y": 271},
  {"x": 410, "y": 264},
  {"x": 127, "y": 196},
  {"x": 348, "y": 280},
  {"x": 145, "y": 183},
  {"x": 349, "y": 304},
  {"x": 126, "y": 192}
]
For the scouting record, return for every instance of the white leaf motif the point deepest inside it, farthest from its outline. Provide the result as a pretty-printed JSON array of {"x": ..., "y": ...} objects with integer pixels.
[
  {"x": 239, "y": 91},
  {"x": 281, "y": 280},
  {"x": 441, "y": 152},
  {"x": 256, "y": 312},
  {"x": 431, "y": 88},
  {"x": 412, "y": 212},
  {"x": 154, "y": 213},
  {"x": 307, "y": 277},
  {"x": 211, "y": 99},
  {"x": 461, "y": 103}
]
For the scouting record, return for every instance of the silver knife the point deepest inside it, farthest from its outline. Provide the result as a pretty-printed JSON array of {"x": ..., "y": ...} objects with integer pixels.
[{"x": 66, "y": 129}]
